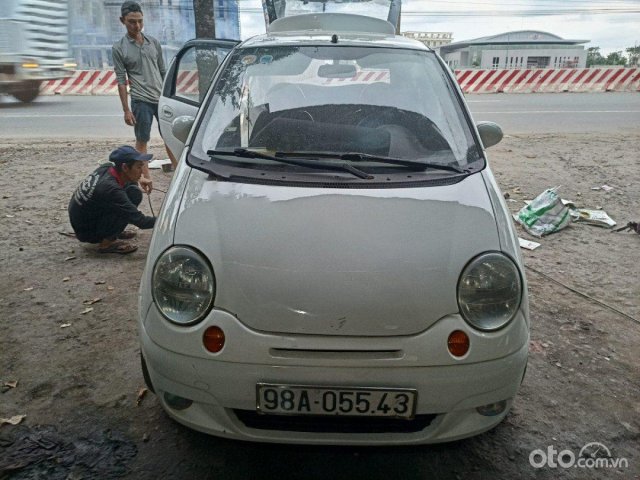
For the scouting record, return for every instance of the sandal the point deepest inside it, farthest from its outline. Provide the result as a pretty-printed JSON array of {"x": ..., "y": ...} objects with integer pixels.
[
  {"x": 119, "y": 247},
  {"x": 127, "y": 235}
]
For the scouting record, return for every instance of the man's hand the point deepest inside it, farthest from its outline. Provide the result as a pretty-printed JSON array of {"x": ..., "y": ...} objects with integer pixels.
[
  {"x": 146, "y": 184},
  {"x": 129, "y": 118}
]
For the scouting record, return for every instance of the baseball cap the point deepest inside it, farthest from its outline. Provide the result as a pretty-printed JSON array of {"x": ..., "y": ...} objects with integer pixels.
[
  {"x": 125, "y": 154},
  {"x": 128, "y": 7}
]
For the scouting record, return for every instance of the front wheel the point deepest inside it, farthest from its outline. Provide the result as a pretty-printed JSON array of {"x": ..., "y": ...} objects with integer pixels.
[{"x": 28, "y": 91}]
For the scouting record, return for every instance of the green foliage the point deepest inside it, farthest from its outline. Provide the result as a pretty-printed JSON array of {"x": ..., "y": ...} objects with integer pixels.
[
  {"x": 594, "y": 57},
  {"x": 634, "y": 56},
  {"x": 616, "y": 58}
]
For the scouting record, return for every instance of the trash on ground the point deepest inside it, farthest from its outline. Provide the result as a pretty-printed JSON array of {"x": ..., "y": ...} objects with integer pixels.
[
  {"x": 596, "y": 217},
  {"x": 158, "y": 163},
  {"x": 536, "y": 346},
  {"x": 631, "y": 226},
  {"x": 69, "y": 258},
  {"x": 41, "y": 452},
  {"x": 99, "y": 282},
  {"x": 545, "y": 214},
  {"x": 592, "y": 217},
  {"x": 15, "y": 420},
  {"x": 11, "y": 384},
  {"x": 91, "y": 302},
  {"x": 86, "y": 310},
  {"x": 528, "y": 244},
  {"x": 606, "y": 188},
  {"x": 141, "y": 394},
  {"x": 66, "y": 279}
]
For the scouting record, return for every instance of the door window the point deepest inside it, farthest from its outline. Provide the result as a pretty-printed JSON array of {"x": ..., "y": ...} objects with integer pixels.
[{"x": 195, "y": 70}]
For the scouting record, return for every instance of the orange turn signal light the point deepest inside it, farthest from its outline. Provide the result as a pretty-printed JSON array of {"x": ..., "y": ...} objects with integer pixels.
[
  {"x": 213, "y": 339},
  {"x": 458, "y": 343}
]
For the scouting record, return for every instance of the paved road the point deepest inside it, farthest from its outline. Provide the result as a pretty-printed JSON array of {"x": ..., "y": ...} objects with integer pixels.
[
  {"x": 101, "y": 117},
  {"x": 560, "y": 112}
]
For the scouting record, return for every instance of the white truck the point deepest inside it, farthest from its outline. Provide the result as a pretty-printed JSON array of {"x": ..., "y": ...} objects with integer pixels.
[{"x": 34, "y": 45}]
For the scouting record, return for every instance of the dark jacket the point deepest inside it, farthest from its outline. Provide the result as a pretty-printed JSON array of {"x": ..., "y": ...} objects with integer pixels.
[{"x": 99, "y": 202}]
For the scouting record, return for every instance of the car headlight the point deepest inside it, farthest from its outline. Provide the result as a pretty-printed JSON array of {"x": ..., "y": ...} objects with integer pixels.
[
  {"x": 489, "y": 291},
  {"x": 183, "y": 285}
]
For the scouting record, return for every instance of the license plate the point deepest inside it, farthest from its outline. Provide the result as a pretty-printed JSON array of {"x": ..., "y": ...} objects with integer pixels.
[{"x": 312, "y": 400}]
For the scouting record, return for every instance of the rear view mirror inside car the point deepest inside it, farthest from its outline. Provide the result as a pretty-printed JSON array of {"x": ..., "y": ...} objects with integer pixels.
[{"x": 337, "y": 71}]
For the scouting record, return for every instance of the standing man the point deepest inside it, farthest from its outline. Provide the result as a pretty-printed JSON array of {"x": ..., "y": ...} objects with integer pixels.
[
  {"x": 138, "y": 58},
  {"x": 107, "y": 201}
]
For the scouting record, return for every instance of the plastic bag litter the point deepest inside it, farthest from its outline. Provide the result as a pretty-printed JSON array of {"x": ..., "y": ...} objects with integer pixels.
[
  {"x": 593, "y": 217},
  {"x": 545, "y": 214}
]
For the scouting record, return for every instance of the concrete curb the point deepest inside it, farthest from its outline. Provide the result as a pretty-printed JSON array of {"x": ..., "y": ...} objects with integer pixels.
[{"x": 548, "y": 80}]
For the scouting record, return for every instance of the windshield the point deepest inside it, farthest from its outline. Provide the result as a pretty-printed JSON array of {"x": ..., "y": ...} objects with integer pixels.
[{"x": 380, "y": 102}]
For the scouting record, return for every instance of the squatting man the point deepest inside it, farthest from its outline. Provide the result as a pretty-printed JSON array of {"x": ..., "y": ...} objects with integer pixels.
[{"x": 107, "y": 201}]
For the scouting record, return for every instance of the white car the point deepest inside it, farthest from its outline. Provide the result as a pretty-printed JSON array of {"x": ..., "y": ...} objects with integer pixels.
[{"x": 334, "y": 262}]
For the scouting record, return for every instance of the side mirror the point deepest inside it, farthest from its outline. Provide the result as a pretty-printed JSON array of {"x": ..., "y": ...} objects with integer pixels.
[
  {"x": 181, "y": 127},
  {"x": 490, "y": 133}
]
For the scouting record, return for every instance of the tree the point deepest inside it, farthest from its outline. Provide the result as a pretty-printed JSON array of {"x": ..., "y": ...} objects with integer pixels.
[
  {"x": 634, "y": 56},
  {"x": 205, "y": 19},
  {"x": 206, "y": 60},
  {"x": 616, "y": 58},
  {"x": 594, "y": 57}
]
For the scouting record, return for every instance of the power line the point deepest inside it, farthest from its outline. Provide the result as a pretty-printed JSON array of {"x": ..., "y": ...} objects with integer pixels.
[{"x": 488, "y": 13}]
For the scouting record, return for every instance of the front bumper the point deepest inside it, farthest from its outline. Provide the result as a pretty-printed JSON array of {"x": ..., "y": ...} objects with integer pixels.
[{"x": 223, "y": 386}]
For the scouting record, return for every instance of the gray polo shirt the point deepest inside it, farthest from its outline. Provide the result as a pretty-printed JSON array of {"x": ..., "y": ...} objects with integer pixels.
[{"x": 142, "y": 64}]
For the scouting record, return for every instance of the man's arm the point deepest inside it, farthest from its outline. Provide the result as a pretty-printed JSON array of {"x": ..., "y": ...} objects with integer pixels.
[
  {"x": 129, "y": 117},
  {"x": 161, "y": 66},
  {"x": 119, "y": 201},
  {"x": 121, "y": 77}
]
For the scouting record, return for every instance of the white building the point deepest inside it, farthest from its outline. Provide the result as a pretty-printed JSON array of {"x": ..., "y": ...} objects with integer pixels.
[
  {"x": 520, "y": 49},
  {"x": 431, "y": 39}
]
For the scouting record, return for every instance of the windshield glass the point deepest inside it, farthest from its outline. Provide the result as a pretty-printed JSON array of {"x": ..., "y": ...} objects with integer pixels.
[{"x": 336, "y": 99}]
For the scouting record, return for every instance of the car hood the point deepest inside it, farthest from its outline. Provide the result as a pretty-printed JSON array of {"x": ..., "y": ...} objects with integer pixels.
[{"x": 371, "y": 262}]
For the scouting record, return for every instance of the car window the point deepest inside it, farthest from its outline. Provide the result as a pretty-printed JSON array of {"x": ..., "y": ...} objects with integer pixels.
[
  {"x": 194, "y": 72},
  {"x": 376, "y": 101}
]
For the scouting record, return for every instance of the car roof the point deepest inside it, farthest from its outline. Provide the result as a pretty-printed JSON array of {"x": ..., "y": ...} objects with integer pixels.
[{"x": 350, "y": 29}]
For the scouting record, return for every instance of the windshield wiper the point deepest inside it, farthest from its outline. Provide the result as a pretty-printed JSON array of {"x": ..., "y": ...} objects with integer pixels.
[
  {"x": 366, "y": 157},
  {"x": 278, "y": 157}
]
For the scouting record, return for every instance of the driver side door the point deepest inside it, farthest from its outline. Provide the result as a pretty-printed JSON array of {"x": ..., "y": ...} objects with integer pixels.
[{"x": 186, "y": 84}]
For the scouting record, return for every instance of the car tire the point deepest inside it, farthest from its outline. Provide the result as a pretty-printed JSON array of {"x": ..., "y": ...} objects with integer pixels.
[{"x": 27, "y": 92}]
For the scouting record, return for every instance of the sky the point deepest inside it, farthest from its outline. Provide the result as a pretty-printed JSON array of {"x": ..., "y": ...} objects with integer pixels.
[{"x": 611, "y": 25}]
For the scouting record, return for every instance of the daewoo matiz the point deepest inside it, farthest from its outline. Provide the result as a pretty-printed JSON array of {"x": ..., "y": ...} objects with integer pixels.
[{"x": 334, "y": 262}]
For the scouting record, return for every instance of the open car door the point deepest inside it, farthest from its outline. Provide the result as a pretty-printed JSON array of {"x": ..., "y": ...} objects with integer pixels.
[{"x": 185, "y": 86}]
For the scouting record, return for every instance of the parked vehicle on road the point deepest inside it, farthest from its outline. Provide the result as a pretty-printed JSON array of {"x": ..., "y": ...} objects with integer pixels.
[
  {"x": 334, "y": 262},
  {"x": 34, "y": 46}
]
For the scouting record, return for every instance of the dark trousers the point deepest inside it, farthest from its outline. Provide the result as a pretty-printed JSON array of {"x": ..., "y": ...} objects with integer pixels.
[{"x": 109, "y": 226}]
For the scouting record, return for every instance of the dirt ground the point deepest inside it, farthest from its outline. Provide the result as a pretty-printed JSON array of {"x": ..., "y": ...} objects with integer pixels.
[{"x": 69, "y": 357}]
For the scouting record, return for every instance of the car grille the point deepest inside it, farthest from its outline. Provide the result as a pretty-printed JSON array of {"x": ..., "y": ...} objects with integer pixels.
[{"x": 330, "y": 424}]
